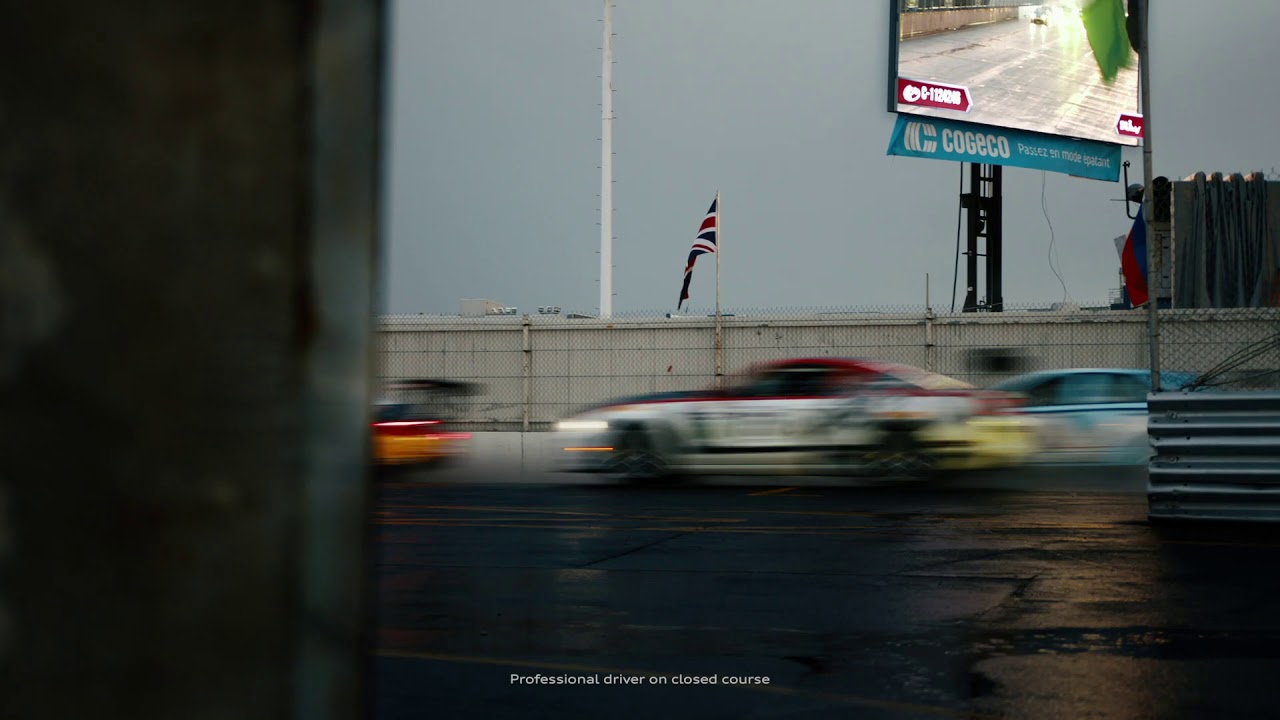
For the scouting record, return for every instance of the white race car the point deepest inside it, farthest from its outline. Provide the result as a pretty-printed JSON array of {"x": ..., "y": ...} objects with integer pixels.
[{"x": 808, "y": 416}]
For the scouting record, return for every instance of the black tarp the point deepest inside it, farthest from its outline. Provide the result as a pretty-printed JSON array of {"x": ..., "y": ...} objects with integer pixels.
[{"x": 1226, "y": 250}]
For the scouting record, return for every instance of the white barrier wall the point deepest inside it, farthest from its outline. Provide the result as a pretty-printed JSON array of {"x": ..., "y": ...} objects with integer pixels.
[{"x": 535, "y": 370}]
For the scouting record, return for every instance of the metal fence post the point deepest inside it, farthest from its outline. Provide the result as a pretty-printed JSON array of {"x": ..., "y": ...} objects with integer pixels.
[
  {"x": 526, "y": 372},
  {"x": 719, "y": 354},
  {"x": 930, "y": 341}
]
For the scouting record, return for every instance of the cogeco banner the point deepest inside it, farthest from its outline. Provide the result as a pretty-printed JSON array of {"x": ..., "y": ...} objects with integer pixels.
[{"x": 969, "y": 142}]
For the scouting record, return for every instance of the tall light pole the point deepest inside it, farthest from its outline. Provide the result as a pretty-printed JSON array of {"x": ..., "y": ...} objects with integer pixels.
[
  {"x": 1154, "y": 254},
  {"x": 606, "y": 168}
]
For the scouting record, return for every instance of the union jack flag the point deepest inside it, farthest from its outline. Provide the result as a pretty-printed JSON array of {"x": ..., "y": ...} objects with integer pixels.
[{"x": 704, "y": 243}]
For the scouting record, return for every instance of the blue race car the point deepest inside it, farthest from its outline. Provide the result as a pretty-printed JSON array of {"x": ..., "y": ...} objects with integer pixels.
[{"x": 1090, "y": 415}]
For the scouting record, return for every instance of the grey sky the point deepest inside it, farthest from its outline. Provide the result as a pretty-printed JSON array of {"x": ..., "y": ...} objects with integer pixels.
[{"x": 493, "y": 155}]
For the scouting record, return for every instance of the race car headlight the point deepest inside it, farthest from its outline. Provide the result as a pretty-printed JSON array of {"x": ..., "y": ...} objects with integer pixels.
[{"x": 582, "y": 425}]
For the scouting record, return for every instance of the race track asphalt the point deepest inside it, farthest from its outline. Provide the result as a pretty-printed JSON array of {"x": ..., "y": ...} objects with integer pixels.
[{"x": 1030, "y": 594}]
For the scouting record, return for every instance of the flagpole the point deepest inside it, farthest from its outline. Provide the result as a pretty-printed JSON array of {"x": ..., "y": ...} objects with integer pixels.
[{"x": 719, "y": 247}]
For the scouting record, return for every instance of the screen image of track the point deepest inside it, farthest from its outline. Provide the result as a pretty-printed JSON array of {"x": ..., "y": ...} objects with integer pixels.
[{"x": 1023, "y": 65}]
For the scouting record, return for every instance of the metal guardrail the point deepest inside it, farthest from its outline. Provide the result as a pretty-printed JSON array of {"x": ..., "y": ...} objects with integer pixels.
[{"x": 1216, "y": 456}]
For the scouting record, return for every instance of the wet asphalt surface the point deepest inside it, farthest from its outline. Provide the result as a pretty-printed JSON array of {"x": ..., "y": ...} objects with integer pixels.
[{"x": 1027, "y": 595}]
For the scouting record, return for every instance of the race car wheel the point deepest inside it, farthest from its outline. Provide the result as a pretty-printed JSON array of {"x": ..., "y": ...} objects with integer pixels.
[
  {"x": 637, "y": 458},
  {"x": 901, "y": 457}
]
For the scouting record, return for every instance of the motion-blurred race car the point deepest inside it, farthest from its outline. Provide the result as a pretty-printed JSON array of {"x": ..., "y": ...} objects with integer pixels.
[
  {"x": 411, "y": 422},
  {"x": 1090, "y": 415},
  {"x": 1041, "y": 17},
  {"x": 802, "y": 416}
]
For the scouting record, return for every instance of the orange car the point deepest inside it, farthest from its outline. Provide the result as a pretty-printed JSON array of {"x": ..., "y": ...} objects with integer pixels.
[{"x": 410, "y": 425}]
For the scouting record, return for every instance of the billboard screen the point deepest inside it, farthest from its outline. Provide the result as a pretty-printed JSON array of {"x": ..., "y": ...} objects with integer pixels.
[{"x": 1015, "y": 64}]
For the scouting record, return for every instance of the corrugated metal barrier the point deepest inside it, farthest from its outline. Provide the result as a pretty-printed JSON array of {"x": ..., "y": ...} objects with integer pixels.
[{"x": 1217, "y": 455}]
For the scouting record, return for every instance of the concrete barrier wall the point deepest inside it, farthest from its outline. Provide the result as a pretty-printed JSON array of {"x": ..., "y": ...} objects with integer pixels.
[
  {"x": 917, "y": 24},
  {"x": 534, "y": 371},
  {"x": 496, "y": 453}
]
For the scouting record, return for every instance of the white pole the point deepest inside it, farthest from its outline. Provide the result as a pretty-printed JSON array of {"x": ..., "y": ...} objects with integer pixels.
[
  {"x": 719, "y": 247},
  {"x": 606, "y": 168}
]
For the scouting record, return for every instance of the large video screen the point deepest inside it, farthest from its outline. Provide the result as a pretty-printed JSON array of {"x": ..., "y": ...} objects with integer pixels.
[{"x": 1015, "y": 64}]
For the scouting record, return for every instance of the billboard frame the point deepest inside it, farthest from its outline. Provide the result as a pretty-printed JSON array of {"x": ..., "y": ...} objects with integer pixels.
[
  {"x": 895, "y": 30},
  {"x": 892, "y": 104}
]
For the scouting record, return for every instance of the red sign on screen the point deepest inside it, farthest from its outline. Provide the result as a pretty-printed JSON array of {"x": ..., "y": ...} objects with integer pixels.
[
  {"x": 934, "y": 95},
  {"x": 1129, "y": 125}
]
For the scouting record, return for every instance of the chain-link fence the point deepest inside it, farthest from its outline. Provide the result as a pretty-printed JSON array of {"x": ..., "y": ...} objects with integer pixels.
[
  {"x": 532, "y": 370},
  {"x": 1236, "y": 348}
]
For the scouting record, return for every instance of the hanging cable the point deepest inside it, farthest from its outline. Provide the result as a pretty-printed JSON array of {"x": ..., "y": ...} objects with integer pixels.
[
  {"x": 1218, "y": 374},
  {"x": 955, "y": 274},
  {"x": 1044, "y": 207}
]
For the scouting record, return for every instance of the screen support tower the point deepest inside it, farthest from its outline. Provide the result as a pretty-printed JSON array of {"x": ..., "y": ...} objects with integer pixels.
[{"x": 983, "y": 213}]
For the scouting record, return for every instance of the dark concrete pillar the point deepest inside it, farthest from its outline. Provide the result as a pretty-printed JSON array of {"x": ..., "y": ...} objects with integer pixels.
[{"x": 188, "y": 198}]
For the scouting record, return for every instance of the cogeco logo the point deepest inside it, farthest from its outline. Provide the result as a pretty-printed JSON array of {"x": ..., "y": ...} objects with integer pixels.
[
  {"x": 912, "y": 137},
  {"x": 972, "y": 143}
]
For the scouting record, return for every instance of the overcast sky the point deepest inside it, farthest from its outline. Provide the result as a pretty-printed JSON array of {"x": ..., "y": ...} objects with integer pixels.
[{"x": 493, "y": 128}]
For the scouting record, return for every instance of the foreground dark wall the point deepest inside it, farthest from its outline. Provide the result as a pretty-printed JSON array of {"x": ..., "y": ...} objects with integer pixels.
[{"x": 187, "y": 235}]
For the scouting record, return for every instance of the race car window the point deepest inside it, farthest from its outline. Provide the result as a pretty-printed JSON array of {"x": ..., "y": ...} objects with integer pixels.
[
  {"x": 1046, "y": 393},
  {"x": 1129, "y": 389},
  {"x": 810, "y": 382},
  {"x": 390, "y": 412},
  {"x": 761, "y": 385},
  {"x": 1088, "y": 389},
  {"x": 789, "y": 382},
  {"x": 850, "y": 383}
]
